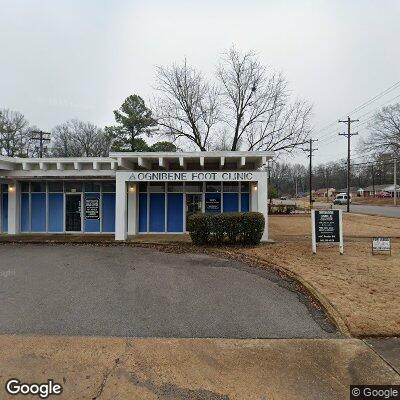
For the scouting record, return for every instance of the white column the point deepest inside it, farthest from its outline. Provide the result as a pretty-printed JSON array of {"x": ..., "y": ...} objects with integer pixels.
[
  {"x": 262, "y": 203},
  {"x": 120, "y": 209},
  {"x": 14, "y": 197},
  {"x": 253, "y": 196},
  {"x": 132, "y": 208}
]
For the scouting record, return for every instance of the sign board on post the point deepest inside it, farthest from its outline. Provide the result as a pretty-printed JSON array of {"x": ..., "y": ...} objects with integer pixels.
[
  {"x": 381, "y": 245},
  {"x": 327, "y": 228}
]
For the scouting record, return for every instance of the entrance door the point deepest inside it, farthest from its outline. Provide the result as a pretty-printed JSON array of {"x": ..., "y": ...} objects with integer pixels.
[
  {"x": 193, "y": 204},
  {"x": 73, "y": 217}
]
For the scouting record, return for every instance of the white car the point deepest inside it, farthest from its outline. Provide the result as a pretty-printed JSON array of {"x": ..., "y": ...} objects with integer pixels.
[{"x": 341, "y": 198}]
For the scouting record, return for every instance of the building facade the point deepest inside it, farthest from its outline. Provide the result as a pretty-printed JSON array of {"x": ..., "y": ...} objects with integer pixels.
[{"x": 128, "y": 193}]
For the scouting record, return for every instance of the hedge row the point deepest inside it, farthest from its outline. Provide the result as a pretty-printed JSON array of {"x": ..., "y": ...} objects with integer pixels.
[{"x": 246, "y": 228}]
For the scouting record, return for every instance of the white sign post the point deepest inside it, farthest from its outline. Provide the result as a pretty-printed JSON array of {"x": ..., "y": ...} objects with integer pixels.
[{"x": 326, "y": 227}]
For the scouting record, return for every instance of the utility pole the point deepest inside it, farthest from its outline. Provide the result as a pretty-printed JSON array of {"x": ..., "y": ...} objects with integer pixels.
[
  {"x": 349, "y": 135},
  {"x": 310, "y": 150},
  {"x": 395, "y": 180},
  {"x": 373, "y": 179},
  {"x": 42, "y": 137}
]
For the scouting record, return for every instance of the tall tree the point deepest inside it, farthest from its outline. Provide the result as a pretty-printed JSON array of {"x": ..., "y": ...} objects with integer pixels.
[
  {"x": 258, "y": 106},
  {"x": 14, "y": 133},
  {"x": 76, "y": 138},
  {"x": 384, "y": 132},
  {"x": 133, "y": 119},
  {"x": 188, "y": 106},
  {"x": 250, "y": 107}
]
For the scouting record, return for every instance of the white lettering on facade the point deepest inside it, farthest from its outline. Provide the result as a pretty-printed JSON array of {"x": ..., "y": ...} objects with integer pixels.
[{"x": 163, "y": 176}]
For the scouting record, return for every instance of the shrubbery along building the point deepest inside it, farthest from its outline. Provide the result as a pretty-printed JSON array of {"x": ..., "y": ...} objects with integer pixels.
[{"x": 128, "y": 193}]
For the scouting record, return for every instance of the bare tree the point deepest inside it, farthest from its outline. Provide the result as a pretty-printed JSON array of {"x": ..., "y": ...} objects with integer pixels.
[
  {"x": 384, "y": 132},
  {"x": 76, "y": 138},
  {"x": 258, "y": 106},
  {"x": 188, "y": 106},
  {"x": 14, "y": 133}
]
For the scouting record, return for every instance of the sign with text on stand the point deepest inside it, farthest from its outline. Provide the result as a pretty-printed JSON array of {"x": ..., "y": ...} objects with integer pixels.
[
  {"x": 381, "y": 245},
  {"x": 327, "y": 227}
]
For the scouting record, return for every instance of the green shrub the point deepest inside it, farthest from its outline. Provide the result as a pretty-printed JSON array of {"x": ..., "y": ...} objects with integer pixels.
[
  {"x": 246, "y": 227},
  {"x": 252, "y": 227},
  {"x": 199, "y": 228}
]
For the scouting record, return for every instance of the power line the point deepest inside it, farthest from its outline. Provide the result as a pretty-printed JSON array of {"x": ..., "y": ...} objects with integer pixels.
[{"x": 362, "y": 106}]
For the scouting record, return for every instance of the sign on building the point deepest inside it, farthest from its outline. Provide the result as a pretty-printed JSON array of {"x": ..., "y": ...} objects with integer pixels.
[
  {"x": 381, "y": 245},
  {"x": 327, "y": 228},
  {"x": 92, "y": 207}
]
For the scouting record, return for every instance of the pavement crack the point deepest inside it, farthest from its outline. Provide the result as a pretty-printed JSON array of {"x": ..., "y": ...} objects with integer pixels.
[{"x": 105, "y": 378}]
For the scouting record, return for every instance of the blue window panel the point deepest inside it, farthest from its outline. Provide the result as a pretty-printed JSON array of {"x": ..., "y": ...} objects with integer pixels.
[
  {"x": 92, "y": 225},
  {"x": 142, "y": 212},
  {"x": 24, "y": 212},
  {"x": 175, "y": 212},
  {"x": 108, "y": 212},
  {"x": 245, "y": 202},
  {"x": 157, "y": 212},
  {"x": 38, "y": 212},
  {"x": 213, "y": 203},
  {"x": 231, "y": 202},
  {"x": 4, "y": 212},
  {"x": 56, "y": 212}
]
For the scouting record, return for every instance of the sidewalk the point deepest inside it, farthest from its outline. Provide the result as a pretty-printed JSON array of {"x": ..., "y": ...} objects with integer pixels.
[{"x": 211, "y": 369}]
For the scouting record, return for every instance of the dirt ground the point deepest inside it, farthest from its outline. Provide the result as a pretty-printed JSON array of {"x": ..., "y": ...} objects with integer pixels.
[
  {"x": 99, "y": 368},
  {"x": 363, "y": 288},
  {"x": 354, "y": 225}
]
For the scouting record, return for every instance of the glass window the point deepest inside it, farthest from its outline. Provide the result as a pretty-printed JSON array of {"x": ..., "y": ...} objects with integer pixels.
[
  {"x": 143, "y": 187},
  {"x": 109, "y": 187},
  {"x": 194, "y": 187},
  {"x": 38, "y": 187},
  {"x": 231, "y": 187},
  {"x": 176, "y": 187},
  {"x": 25, "y": 187},
  {"x": 213, "y": 187},
  {"x": 92, "y": 187},
  {"x": 55, "y": 186},
  {"x": 73, "y": 186},
  {"x": 156, "y": 187},
  {"x": 4, "y": 188},
  {"x": 245, "y": 187}
]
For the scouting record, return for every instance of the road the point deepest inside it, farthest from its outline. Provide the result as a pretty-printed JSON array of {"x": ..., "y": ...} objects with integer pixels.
[
  {"x": 137, "y": 292},
  {"x": 385, "y": 211}
]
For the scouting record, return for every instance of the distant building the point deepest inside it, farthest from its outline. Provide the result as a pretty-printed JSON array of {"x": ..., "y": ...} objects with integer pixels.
[{"x": 325, "y": 192}]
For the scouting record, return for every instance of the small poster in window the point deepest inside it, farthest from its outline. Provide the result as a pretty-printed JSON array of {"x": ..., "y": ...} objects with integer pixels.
[{"x": 92, "y": 207}]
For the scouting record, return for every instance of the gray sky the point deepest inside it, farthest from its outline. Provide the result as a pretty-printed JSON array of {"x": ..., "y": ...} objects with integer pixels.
[{"x": 64, "y": 59}]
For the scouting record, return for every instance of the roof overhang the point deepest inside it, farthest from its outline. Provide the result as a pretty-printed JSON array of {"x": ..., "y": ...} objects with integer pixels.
[{"x": 233, "y": 160}]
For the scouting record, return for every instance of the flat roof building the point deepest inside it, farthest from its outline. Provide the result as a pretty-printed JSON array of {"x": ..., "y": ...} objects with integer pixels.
[{"x": 128, "y": 193}]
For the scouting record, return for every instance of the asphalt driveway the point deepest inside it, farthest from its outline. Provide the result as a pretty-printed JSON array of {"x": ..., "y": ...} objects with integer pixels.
[{"x": 137, "y": 292}]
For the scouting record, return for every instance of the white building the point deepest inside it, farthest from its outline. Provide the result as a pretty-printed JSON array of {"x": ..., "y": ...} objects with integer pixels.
[{"x": 128, "y": 193}]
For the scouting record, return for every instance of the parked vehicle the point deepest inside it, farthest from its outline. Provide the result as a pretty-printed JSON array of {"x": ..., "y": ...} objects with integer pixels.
[
  {"x": 341, "y": 198},
  {"x": 382, "y": 195}
]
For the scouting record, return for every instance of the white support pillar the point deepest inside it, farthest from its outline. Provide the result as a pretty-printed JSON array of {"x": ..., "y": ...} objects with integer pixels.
[
  {"x": 132, "y": 208},
  {"x": 120, "y": 209},
  {"x": 262, "y": 203},
  {"x": 14, "y": 197}
]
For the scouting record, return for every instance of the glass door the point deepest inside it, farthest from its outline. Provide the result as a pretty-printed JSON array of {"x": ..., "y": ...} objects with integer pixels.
[
  {"x": 73, "y": 212},
  {"x": 194, "y": 203}
]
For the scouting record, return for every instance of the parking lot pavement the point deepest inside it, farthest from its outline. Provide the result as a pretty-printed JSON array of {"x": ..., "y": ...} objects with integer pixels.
[
  {"x": 137, "y": 292},
  {"x": 193, "y": 369}
]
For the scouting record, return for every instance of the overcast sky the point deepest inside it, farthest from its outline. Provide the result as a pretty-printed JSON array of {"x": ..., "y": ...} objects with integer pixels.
[{"x": 62, "y": 59}]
